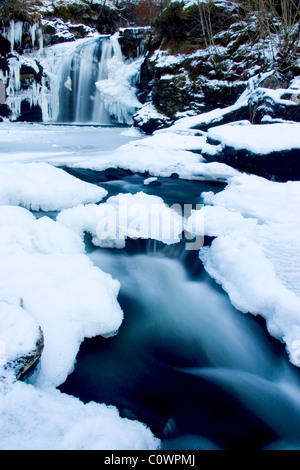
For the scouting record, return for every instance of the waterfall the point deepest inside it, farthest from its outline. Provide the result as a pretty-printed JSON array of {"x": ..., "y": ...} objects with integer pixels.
[
  {"x": 82, "y": 81},
  {"x": 95, "y": 62}
]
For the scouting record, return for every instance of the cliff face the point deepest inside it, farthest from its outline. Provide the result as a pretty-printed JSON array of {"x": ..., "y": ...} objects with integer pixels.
[
  {"x": 199, "y": 55},
  {"x": 202, "y": 54}
]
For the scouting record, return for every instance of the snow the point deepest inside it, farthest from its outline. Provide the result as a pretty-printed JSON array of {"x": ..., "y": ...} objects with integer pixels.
[
  {"x": 68, "y": 146},
  {"x": 256, "y": 253},
  {"x": 49, "y": 283},
  {"x": 19, "y": 332},
  {"x": 43, "y": 263},
  {"x": 260, "y": 139},
  {"x": 40, "y": 186},
  {"x": 163, "y": 60},
  {"x": 36, "y": 419},
  {"x": 125, "y": 215},
  {"x": 158, "y": 162},
  {"x": 148, "y": 112},
  {"x": 118, "y": 90},
  {"x": 14, "y": 33},
  {"x": 148, "y": 181},
  {"x": 14, "y": 94},
  {"x": 189, "y": 3}
]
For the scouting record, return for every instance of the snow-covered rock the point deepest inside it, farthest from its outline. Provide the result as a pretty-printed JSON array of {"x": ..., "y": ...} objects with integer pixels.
[
  {"x": 269, "y": 150},
  {"x": 40, "y": 186},
  {"x": 125, "y": 215},
  {"x": 21, "y": 340},
  {"x": 148, "y": 119}
]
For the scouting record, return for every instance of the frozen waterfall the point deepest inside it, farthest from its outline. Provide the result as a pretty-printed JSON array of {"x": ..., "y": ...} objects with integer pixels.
[
  {"x": 96, "y": 84},
  {"x": 83, "y": 81}
]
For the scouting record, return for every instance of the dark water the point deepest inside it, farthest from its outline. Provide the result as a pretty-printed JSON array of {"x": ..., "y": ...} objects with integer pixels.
[{"x": 199, "y": 373}]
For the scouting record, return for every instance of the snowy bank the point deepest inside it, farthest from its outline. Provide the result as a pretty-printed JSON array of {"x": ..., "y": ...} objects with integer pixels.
[
  {"x": 256, "y": 253},
  {"x": 261, "y": 139},
  {"x": 43, "y": 265},
  {"x": 39, "y": 186},
  {"x": 36, "y": 419},
  {"x": 48, "y": 284},
  {"x": 268, "y": 150},
  {"x": 157, "y": 155},
  {"x": 125, "y": 215}
]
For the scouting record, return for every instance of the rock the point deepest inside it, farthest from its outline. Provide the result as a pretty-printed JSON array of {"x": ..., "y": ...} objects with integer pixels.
[
  {"x": 132, "y": 41},
  {"x": 28, "y": 75},
  {"x": 148, "y": 119},
  {"x": 152, "y": 181},
  {"x": 276, "y": 165},
  {"x": 116, "y": 173},
  {"x": 4, "y": 46},
  {"x": 277, "y": 104},
  {"x": 21, "y": 342},
  {"x": 26, "y": 365},
  {"x": 274, "y": 81},
  {"x": 30, "y": 113}
]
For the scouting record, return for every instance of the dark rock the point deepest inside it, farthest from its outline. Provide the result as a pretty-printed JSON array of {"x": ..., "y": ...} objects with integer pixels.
[
  {"x": 30, "y": 113},
  {"x": 145, "y": 83},
  {"x": 4, "y": 46},
  {"x": 4, "y": 65},
  {"x": 222, "y": 93},
  {"x": 154, "y": 183},
  {"x": 262, "y": 103},
  {"x": 151, "y": 125},
  {"x": 148, "y": 120},
  {"x": 279, "y": 166},
  {"x": 28, "y": 76},
  {"x": 274, "y": 81},
  {"x": 172, "y": 95},
  {"x": 116, "y": 173},
  {"x": 24, "y": 366},
  {"x": 240, "y": 113},
  {"x": 4, "y": 111},
  {"x": 108, "y": 20},
  {"x": 132, "y": 41}
]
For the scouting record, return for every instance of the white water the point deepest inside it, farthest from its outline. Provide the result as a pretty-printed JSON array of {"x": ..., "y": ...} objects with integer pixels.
[
  {"x": 89, "y": 84},
  {"x": 84, "y": 81},
  {"x": 187, "y": 363}
]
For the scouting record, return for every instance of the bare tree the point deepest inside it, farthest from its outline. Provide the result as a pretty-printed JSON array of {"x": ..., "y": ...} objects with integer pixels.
[{"x": 277, "y": 27}]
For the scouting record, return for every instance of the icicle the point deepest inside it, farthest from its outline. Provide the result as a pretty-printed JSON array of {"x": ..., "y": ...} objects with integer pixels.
[
  {"x": 118, "y": 89},
  {"x": 15, "y": 33},
  {"x": 2, "y": 92},
  {"x": 41, "y": 39},
  {"x": 32, "y": 30}
]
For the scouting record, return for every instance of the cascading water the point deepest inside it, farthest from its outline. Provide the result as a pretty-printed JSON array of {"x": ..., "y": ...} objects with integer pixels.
[
  {"x": 82, "y": 98},
  {"x": 79, "y": 98},
  {"x": 198, "y": 372}
]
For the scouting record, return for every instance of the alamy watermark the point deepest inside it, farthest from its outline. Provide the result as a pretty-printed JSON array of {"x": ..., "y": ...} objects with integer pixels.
[{"x": 158, "y": 221}]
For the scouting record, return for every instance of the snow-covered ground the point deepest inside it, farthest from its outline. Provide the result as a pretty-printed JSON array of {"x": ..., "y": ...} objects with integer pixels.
[{"x": 49, "y": 282}]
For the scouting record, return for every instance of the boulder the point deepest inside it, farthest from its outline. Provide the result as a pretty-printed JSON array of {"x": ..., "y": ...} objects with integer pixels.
[
  {"x": 148, "y": 119},
  {"x": 24, "y": 366},
  {"x": 260, "y": 152}
]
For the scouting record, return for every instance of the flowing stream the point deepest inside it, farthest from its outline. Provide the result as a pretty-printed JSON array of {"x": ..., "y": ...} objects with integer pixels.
[{"x": 199, "y": 373}]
